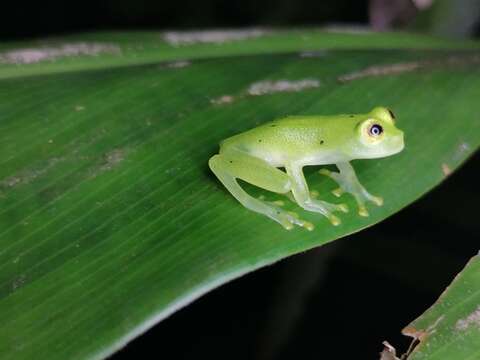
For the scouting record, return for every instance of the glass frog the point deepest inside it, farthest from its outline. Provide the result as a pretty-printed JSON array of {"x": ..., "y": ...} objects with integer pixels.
[{"x": 257, "y": 156}]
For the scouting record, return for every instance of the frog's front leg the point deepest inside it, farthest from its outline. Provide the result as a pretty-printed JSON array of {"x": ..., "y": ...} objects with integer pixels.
[
  {"x": 348, "y": 181},
  {"x": 303, "y": 197}
]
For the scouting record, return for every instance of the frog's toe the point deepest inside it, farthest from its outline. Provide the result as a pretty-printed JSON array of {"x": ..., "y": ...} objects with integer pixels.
[
  {"x": 297, "y": 221},
  {"x": 377, "y": 200},
  {"x": 334, "y": 220},
  {"x": 283, "y": 219},
  {"x": 362, "y": 211},
  {"x": 335, "y": 207},
  {"x": 287, "y": 225},
  {"x": 338, "y": 192},
  {"x": 307, "y": 225},
  {"x": 362, "y": 198},
  {"x": 289, "y": 219}
]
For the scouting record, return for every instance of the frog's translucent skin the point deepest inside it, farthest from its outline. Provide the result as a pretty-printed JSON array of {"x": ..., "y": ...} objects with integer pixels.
[{"x": 256, "y": 155}]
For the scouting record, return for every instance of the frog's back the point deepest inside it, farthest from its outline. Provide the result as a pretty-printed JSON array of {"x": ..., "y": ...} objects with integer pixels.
[
  {"x": 290, "y": 128},
  {"x": 292, "y": 137},
  {"x": 298, "y": 121},
  {"x": 310, "y": 122},
  {"x": 278, "y": 130}
]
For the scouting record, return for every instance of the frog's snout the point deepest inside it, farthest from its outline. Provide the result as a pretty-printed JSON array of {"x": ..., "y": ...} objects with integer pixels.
[{"x": 398, "y": 141}]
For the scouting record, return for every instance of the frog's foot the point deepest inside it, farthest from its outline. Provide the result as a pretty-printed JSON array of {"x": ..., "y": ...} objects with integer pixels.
[
  {"x": 364, "y": 196},
  {"x": 285, "y": 218},
  {"x": 288, "y": 219},
  {"x": 352, "y": 186},
  {"x": 325, "y": 209}
]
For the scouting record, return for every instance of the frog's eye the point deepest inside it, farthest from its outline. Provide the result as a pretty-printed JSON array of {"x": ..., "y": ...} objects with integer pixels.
[
  {"x": 391, "y": 114},
  {"x": 375, "y": 130}
]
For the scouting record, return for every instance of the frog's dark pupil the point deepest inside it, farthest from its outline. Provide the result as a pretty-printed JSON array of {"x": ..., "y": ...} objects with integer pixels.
[
  {"x": 376, "y": 130},
  {"x": 391, "y": 114}
]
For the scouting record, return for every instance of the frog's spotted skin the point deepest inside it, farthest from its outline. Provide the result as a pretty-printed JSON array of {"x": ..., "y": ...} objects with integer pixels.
[{"x": 255, "y": 156}]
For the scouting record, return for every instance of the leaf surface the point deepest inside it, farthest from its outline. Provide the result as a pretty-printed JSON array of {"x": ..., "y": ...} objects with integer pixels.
[{"x": 110, "y": 219}]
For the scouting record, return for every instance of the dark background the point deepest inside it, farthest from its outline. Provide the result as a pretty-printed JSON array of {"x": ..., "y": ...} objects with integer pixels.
[
  {"x": 19, "y": 19},
  {"x": 35, "y": 18},
  {"x": 336, "y": 302}
]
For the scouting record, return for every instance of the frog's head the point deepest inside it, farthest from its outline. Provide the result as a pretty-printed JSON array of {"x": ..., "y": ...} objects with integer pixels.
[{"x": 377, "y": 135}]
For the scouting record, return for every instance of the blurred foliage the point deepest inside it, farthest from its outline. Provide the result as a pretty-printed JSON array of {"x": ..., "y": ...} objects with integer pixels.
[{"x": 450, "y": 18}]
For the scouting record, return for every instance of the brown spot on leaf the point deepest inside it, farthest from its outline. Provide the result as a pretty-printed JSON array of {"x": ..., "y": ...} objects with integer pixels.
[
  {"x": 405, "y": 67},
  {"x": 27, "y": 175},
  {"x": 111, "y": 160},
  {"x": 224, "y": 99},
  {"x": 380, "y": 70},
  {"x": 473, "y": 319},
  {"x": 446, "y": 169},
  {"x": 210, "y": 36},
  {"x": 49, "y": 53},
  {"x": 18, "y": 281},
  {"x": 463, "y": 148},
  {"x": 178, "y": 64},
  {"x": 313, "y": 54},
  {"x": 269, "y": 87}
]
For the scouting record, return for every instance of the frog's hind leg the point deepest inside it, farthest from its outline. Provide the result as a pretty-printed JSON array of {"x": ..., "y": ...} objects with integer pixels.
[{"x": 228, "y": 167}]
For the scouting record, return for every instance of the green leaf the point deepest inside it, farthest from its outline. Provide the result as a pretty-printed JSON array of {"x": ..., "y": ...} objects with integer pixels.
[
  {"x": 110, "y": 219},
  {"x": 108, "y": 50},
  {"x": 450, "y": 329}
]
